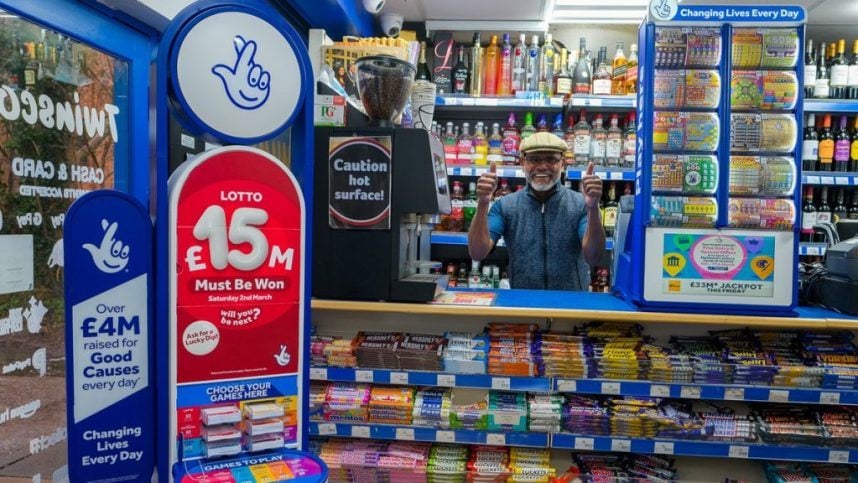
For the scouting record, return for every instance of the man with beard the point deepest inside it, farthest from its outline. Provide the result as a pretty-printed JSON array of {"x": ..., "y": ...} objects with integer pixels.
[{"x": 551, "y": 233}]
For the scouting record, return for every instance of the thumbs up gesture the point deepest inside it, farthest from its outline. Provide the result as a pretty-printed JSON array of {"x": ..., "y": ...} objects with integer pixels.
[
  {"x": 591, "y": 187},
  {"x": 487, "y": 184}
]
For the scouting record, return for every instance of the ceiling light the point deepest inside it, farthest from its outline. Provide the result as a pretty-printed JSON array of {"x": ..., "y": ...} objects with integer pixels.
[
  {"x": 600, "y": 3},
  {"x": 592, "y": 14}
]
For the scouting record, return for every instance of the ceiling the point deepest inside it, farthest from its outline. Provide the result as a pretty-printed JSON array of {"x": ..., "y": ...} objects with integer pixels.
[{"x": 821, "y": 12}]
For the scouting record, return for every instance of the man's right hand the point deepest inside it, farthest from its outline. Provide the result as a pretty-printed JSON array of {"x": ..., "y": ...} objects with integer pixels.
[{"x": 487, "y": 185}]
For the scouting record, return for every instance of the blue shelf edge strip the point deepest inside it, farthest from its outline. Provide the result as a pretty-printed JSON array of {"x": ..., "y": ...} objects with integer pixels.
[
  {"x": 616, "y": 174},
  {"x": 588, "y": 442},
  {"x": 829, "y": 178},
  {"x": 590, "y": 386}
]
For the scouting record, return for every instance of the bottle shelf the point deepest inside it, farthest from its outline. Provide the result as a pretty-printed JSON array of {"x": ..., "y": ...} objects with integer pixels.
[
  {"x": 829, "y": 178},
  {"x": 541, "y": 102},
  {"x": 831, "y": 105},
  {"x": 813, "y": 249},
  {"x": 712, "y": 449},
  {"x": 715, "y": 392},
  {"x": 606, "y": 174},
  {"x": 611, "y": 102},
  {"x": 461, "y": 239},
  {"x": 703, "y": 448},
  {"x": 417, "y": 433}
]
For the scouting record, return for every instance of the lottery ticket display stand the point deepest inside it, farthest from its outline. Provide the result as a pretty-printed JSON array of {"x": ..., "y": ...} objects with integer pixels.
[{"x": 716, "y": 206}]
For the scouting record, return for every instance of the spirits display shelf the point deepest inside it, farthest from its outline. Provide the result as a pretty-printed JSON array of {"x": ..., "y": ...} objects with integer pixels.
[
  {"x": 416, "y": 433},
  {"x": 538, "y": 102},
  {"x": 829, "y": 178},
  {"x": 704, "y": 448},
  {"x": 461, "y": 239},
  {"x": 533, "y": 305},
  {"x": 606, "y": 174},
  {"x": 729, "y": 392}
]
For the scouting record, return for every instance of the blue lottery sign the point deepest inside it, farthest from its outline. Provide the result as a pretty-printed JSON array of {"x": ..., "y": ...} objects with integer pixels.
[
  {"x": 108, "y": 285},
  {"x": 673, "y": 11}
]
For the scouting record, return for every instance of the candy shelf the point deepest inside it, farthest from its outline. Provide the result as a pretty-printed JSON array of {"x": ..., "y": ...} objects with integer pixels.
[
  {"x": 829, "y": 178},
  {"x": 461, "y": 239},
  {"x": 416, "y": 433},
  {"x": 416, "y": 378},
  {"x": 731, "y": 392},
  {"x": 831, "y": 105},
  {"x": 703, "y": 448}
]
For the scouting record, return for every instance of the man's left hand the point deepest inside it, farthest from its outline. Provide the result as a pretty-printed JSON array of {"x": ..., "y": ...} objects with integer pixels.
[{"x": 591, "y": 187}]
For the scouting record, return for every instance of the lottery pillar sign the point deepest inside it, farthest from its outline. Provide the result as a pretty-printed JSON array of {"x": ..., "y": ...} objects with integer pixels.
[
  {"x": 236, "y": 328},
  {"x": 108, "y": 283}
]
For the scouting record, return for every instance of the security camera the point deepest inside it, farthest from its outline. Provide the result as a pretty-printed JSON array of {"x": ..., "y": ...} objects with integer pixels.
[
  {"x": 391, "y": 24},
  {"x": 373, "y": 6}
]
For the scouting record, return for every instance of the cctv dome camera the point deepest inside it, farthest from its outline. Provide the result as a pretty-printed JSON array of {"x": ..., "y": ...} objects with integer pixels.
[
  {"x": 373, "y": 6},
  {"x": 391, "y": 24}
]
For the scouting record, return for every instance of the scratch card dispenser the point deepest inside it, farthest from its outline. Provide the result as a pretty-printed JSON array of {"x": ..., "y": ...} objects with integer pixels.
[
  {"x": 221, "y": 415},
  {"x": 685, "y": 131},
  {"x": 762, "y": 175},
  {"x": 683, "y": 211},
  {"x": 687, "y": 88},
  {"x": 775, "y": 133},
  {"x": 677, "y": 47},
  {"x": 690, "y": 174},
  {"x": 255, "y": 412},
  {"x": 767, "y": 90},
  {"x": 223, "y": 432},
  {"x": 771, "y": 214}
]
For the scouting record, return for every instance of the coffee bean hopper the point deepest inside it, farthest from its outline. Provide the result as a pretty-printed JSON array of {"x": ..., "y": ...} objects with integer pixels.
[{"x": 379, "y": 190}]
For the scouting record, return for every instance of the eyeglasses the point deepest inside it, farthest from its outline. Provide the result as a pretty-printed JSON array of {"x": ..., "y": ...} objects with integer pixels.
[{"x": 550, "y": 160}]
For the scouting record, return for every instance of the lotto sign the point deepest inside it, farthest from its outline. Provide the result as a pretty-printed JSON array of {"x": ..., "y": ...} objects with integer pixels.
[{"x": 236, "y": 247}]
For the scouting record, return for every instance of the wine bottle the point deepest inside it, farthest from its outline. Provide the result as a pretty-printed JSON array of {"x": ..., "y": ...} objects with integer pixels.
[
  {"x": 839, "y": 212},
  {"x": 460, "y": 74},
  {"x": 853, "y": 150},
  {"x": 841, "y": 147},
  {"x": 423, "y": 72},
  {"x": 821, "y": 89},
  {"x": 826, "y": 145},
  {"x": 823, "y": 211},
  {"x": 852, "y": 81},
  {"x": 808, "y": 215},
  {"x": 809, "y": 69},
  {"x": 810, "y": 145},
  {"x": 853, "y": 207},
  {"x": 839, "y": 72},
  {"x": 581, "y": 77}
]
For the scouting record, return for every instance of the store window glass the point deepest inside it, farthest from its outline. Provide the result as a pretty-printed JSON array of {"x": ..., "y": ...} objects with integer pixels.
[{"x": 63, "y": 132}]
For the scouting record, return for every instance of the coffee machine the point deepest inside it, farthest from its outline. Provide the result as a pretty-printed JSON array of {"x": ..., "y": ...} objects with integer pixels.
[{"x": 377, "y": 255}]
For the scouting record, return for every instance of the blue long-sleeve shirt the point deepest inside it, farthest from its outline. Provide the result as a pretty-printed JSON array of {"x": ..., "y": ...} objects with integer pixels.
[{"x": 543, "y": 238}]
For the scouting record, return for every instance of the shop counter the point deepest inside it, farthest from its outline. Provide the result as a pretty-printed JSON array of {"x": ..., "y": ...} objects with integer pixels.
[{"x": 536, "y": 304}]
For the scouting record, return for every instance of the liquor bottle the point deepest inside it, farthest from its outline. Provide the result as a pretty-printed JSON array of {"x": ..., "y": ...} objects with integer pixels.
[
  {"x": 602, "y": 78},
  {"x": 41, "y": 49},
  {"x": 503, "y": 190},
  {"x": 611, "y": 209},
  {"x": 460, "y": 74},
  {"x": 810, "y": 145},
  {"x": 614, "y": 143},
  {"x": 808, "y": 215},
  {"x": 569, "y": 137},
  {"x": 839, "y": 72},
  {"x": 511, "y": 139},
  {"x": 823, "y": 211},
  {"x": 541, "y": 123},
  {"x": 546, "y": 67},
  {"x": 495, "y": 145},
  {"x": 495, "y": 276},
  {"x": 31, "y": 70},
  {"x": 528, "y": 129},
  {"x": 557, "y": 125},
  {"x": 481, "y": 146},
  {"x": 562, "y": 79},
  {"x": 450, "y": 142},
  {"x": 841, "y": 147},
  {"x": 853, "y": 150},
  {"x": 470, "y": 207},
  {"x": 462, "y": 279},
  {"x": 451, "y": 275},
  {"x": 476, "y": 69},
  {"x": 504, "y": 281},
  {"x": 826, "y": 145},
  {"x": 598, "y": 142},
  {"x": 583, "y": 138},
  {"x": 486, "y": 277},
  {"x": 474, "y": 276},
  {"x": 840, "y": 211},
  {"x": 852, "y": 81},
  {"x": 491, "y": 67},
  {"x": 618, "y": 72},
  {"x": 505, "y": 70},
  {"x": 630, "y": 142},
  {"x": 809, "y": 69},
  {"x": 821, "y": 89},
  {"x": 465, "y": 145},
  {"x": 532, "y": 65},
  {"x": 519, "y": 64},
  {"x": 832, "y": 53},
  {"x": 853, "y": 207},
  {"x": 423, "y": 72},
  {"x": 457, "y": 206},
  {"x": 581, "y": 77},
  {"x": 632, "y": 71}
]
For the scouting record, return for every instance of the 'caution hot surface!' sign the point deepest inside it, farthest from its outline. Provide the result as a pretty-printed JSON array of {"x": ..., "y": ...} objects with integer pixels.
[{"x": 359, "y": 182}]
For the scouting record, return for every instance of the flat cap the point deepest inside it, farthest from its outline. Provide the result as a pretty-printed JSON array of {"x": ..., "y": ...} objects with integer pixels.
[{"x": 543, "y": 141}]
